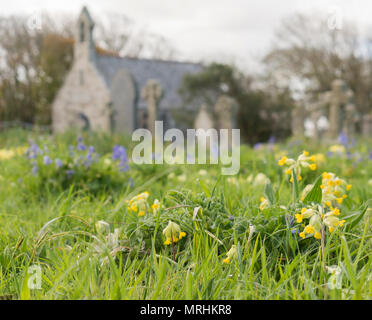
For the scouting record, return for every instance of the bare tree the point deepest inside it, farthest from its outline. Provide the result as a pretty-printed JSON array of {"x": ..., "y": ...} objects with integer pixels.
[{"x": 307, "y": 55}]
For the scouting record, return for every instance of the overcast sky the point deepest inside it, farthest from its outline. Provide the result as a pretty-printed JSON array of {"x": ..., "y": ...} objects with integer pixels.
[{"x": 236, "y": 30}]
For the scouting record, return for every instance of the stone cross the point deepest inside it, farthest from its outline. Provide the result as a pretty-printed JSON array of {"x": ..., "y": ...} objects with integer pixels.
[
  {"x": 152, "y": 93},
  {"x": 226, "y": 110},
  {"x": 315, "y": 110},
  {"x": 298, "y": 119},
  {"x": 339, "y": 96}
]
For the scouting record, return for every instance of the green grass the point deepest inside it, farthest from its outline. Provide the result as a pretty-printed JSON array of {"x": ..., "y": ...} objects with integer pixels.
[{"x": 50, "y": 221}]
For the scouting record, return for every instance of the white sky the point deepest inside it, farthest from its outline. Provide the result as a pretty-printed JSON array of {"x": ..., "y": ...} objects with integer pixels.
[{"x": 228, "y": 30}]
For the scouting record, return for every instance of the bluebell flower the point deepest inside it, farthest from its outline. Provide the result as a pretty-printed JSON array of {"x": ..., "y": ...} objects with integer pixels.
[
  {"x": 47, "y": 161},
  {"x": 33, "y": 151},
  {"x": 295, "y": 231},
  {"x": 272, "y": 140},
  {"x": 34, "y": 170},
  {"x": 70, "y": 173},
  {"x": 119, "y": 152},
  {"x": 257, "y": 146},
  {"x": 80, "y": 146},
  {"x": 343, "y": 139},
  {"x": 59, "y": 163},
  {"x": 71, "y": 151}
]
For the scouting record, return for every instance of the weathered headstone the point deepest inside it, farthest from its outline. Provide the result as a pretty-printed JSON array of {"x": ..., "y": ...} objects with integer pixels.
[
  {"x": 152, "y": 93},
  {"x": 337, "y": 98},
  {"x": 203, "y": 119},
  {"x": 350, "y": 119},
  {"x": 367, "y": 125},
  {"x": 226, "y": 110},
  {"x": 298, "y": 119}
]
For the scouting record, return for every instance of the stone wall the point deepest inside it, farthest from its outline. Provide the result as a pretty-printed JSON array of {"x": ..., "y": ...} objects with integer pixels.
[{"x": 83, "y": 93}]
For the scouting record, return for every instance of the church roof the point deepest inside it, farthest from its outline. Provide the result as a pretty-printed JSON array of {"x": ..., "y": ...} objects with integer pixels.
[{"x": 169, "y": 74}]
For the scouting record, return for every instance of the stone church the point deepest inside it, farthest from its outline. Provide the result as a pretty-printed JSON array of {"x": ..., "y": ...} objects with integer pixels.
[{"x": 112, "y": 94}]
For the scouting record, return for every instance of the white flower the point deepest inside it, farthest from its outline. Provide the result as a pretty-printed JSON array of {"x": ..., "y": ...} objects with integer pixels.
[
  {"x": 202, "y": 172},
  {"x": 335, "y": 280},
  {"x": 260, "y": 180}
]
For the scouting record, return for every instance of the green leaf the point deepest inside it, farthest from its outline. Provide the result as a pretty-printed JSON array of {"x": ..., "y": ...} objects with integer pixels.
[
  {"x": 357, "y": 219},
  {"x": 295, "y": 186},
  {"x": 315, "y": 194},
  {"x": 269, "y": 192}
]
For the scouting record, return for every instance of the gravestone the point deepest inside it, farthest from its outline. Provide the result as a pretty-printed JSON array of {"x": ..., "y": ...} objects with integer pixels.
[
  {"x": 338, "y": 98},
  {"x": 298, "y": 119},
  {"x": 367, "y": 125},
  {"x": 350, "y": 119},
  {"x": 152, "y": 93},
  {"x": 226, "y": 110},
  {"x": 203, "y": 119}
]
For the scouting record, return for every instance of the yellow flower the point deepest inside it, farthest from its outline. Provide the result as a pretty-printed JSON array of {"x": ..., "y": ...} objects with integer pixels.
[
  {"x": 282, "y": 161},
  {"x": 337, "y": 148},
  {"x": 173, "y": 233},
  {"x": 348, "y": 187},
  {"x": 155, "y": 206},
  {"x": 139, "y": 204},
  {"x": 312, "y": 167},
  {"x": 299, "y": 217},
  {"x": 309, "y": 229},
  {"x": 302, "y": 235},
  {"x": 6, "y": 154},
  {"x": 341, "y": 223},
  {"x": 317, "y": 235},
  {"x": 141, "y": 213},
  {"x": 231, "y": 254},
  {"x": 306, "y": 154}
]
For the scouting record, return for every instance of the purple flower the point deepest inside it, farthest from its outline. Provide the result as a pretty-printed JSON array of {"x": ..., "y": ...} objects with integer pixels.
[
  {"x": 33, "y": 151},
  {"x": 120, "y": 153},
  {"x": 343, "y": 139},
  {"x": 34, "y": 170},
  {"x": 80, "y": 146},
  {"x": 70, "y": 173},
  {"x": 257, "y": 146},
  {"x": 370, "y": 156},
  {"x": 59, "y": 163},
  {"x": 47, "y": 161}
]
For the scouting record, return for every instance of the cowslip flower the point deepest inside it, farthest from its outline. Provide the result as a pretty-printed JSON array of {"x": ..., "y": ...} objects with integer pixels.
[
  {"x": 264, "y": 203},
  {"x": 138, "y": 204},
  {"x": 304, "y": 160},
  {"x": 155, "y": 206},
  {"x": 231, "y": 254},
  {"x": 318, "y": 216},
  {"x": 333, "y": 189},
  {"x": 173, "y": 233}
]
